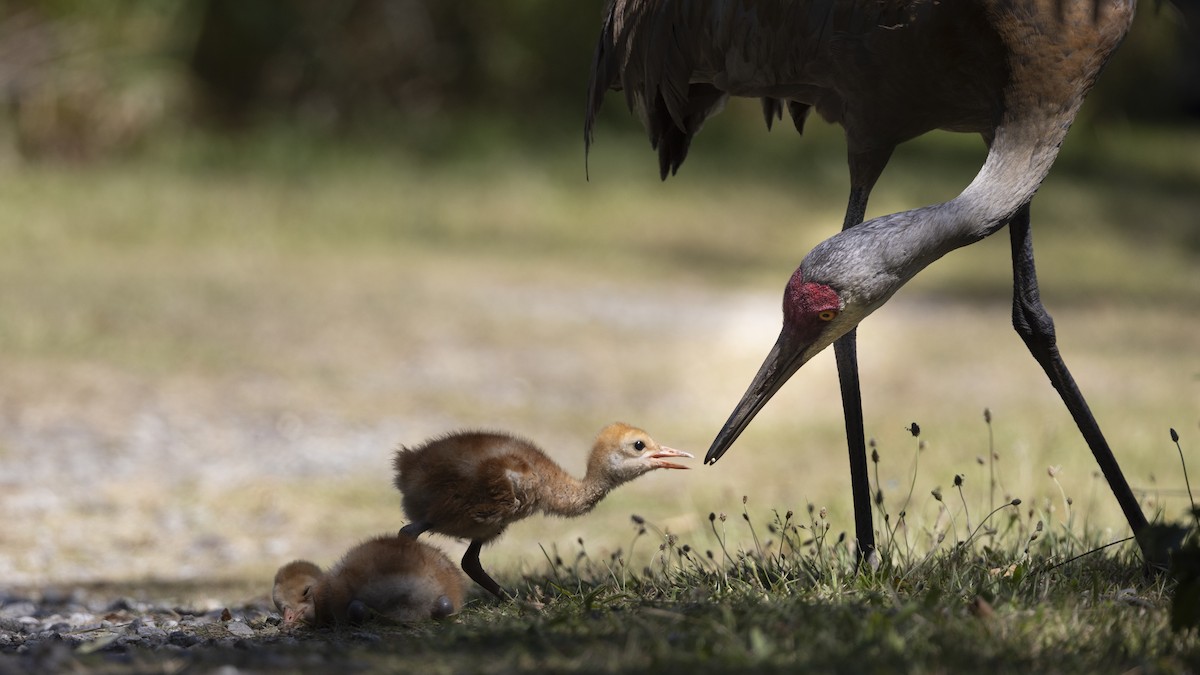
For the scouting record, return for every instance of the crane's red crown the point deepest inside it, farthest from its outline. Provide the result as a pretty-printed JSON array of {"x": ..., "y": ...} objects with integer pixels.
[{"x": 808, "y": 305}]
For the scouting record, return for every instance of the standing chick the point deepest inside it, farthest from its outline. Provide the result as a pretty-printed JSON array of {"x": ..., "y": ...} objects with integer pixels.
[
  {"x": 396, "y": 578},
  {"x": 472, "y": 485}
]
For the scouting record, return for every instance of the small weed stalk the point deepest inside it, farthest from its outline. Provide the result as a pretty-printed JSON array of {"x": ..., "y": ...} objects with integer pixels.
[
  {"x": 781, "y": 526},
  {"x": 987, "y": 419},
  {"x": 937, "y": 494},
  {"x": 555, "y": 562},
  {"x": 640, "y": 524},
  {"x": 712, "y": 521},
  {"x": 1014, "y": 503},
  {"x": 888, "y": 546},
  {"x": 877, "y": 498},
  {"x": 1068, "y": 523},
  {"x": 750, "y": 524},
  {"x": 666, "y": 550},
  {"x": 1037, "y": 532},
  {"x": 720, "y": 536},
  {"x": 582, "y": 556},
  {"x": 958, "y": 483},
  {"x": 1091, "y": 502},
  {"x": 993, "y": 479},
  {"x": 1053, "y": 472},
  {"x": 915, "y": 429},
  {"x": 1186, "y": 482}
]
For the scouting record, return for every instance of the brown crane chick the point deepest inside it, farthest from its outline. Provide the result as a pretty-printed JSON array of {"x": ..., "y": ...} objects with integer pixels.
[
  {"x": 293, "y": 591},
  {"x": 472, "y": 485},
  {"x": 395, "y": 578}
]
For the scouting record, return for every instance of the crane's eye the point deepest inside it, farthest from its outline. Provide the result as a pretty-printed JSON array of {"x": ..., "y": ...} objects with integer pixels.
[
  {"x": 827, "y": 315},
  {"x": 639, "y": 445}
]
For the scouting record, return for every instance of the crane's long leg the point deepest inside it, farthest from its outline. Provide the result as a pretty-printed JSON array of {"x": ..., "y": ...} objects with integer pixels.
[
  {"x": 1036, "y": 328},
  {"x": 470, "y": 565},
  {"x": 865, "y": 169},
  {"x": 846, "y": 352}
]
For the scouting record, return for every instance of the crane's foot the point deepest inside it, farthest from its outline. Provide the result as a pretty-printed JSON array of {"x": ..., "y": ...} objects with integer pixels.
[
  {"x": 1158, "y": 541},
  {"x": 867, "y": 558}
]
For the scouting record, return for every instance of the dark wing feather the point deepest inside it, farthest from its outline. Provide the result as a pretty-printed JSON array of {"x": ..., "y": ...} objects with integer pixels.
[
  {"x": 648, "y": 49},
  {"x": 773, "y": 110},
  {"x": 664, "y": 53}
]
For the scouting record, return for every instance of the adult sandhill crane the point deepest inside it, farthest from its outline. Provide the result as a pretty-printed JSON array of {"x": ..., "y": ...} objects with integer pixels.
[
  {"x": 473, "y": 484},
  {"x": 1014, "y": 71}
]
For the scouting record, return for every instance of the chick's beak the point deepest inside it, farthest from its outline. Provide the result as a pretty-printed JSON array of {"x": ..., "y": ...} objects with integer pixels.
[{"x": 656, "y": 458}]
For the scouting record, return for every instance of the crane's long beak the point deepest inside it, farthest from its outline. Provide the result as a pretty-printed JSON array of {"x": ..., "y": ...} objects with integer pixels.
[
  {"x": 657, "y": 462},
  {"x": 782, "y": 362}
]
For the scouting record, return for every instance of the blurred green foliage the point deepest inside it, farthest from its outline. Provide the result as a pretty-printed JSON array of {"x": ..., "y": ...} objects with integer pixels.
[
  {"x": 344, "y": 60},
  {"x": 83, "y": 78}
]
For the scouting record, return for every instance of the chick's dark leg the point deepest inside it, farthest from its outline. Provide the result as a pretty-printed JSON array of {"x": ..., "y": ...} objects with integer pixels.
[
  {"x": 470, "y": 565},
  {"x": 415, "y": 529}
]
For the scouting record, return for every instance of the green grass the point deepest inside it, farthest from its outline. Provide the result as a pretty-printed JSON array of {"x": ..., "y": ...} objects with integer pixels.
[
  {"x": 794, "y": 604},
  {"x": 1017, "y": 600}
]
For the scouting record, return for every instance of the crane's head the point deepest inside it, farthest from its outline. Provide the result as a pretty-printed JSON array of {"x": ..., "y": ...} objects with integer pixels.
[
  {"x": 814, "y": 315},
  {"x": 622, "y": 453},
  {"x": 294, "y": 589}
]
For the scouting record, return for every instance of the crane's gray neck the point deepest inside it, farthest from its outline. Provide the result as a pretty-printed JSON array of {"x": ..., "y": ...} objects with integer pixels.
[
  {"x": 1056, "y": 55},
  {"x": 868, "y": 263}
]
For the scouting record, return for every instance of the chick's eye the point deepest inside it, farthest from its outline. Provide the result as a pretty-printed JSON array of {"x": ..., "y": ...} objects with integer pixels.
[
  {"x": 827, "y": 315},
  {"x": 639, "y": 445}
]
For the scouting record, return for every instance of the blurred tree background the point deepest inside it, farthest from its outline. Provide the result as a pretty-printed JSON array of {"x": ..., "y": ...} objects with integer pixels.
[{"x": 84, "y": 79}]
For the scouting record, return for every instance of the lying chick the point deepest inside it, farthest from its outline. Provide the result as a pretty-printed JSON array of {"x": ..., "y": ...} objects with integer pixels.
[{"x": 395, "y": 578}]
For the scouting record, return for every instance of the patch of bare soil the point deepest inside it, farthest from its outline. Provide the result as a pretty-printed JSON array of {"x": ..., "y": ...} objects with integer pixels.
[{"x": 164, "y": 628}]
